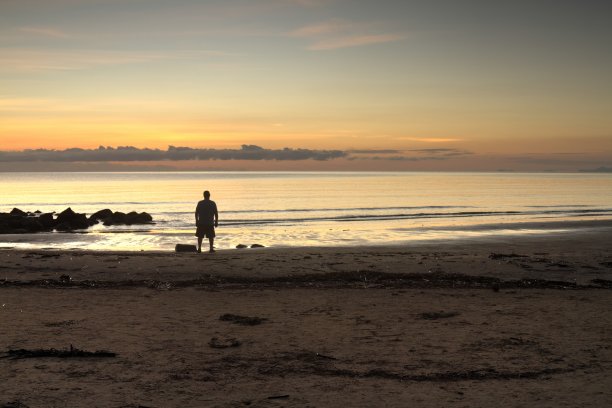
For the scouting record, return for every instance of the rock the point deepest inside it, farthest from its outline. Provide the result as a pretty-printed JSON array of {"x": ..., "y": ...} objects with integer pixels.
[
  {"x": 119, "y": 218},
  {"x": 100, "y": 216},
  {"x": 17, "y": 212},
  {"x": 46, "y": 221},
  {"x": 68, "y": 220},
  {"x": 257, "y": 246},
  {"x": 241, "y": 246},
  {"x": 31, "y": 224},
  {"x": 138, "y": 218},
  {"x": 185, "y": 248}
]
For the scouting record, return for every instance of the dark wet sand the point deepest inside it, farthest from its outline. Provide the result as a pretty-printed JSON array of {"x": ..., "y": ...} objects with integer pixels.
[{"x": 507, "y": 323}]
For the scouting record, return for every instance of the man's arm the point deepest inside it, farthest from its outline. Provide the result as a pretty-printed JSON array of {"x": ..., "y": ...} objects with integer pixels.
[
  {"x": 216, "y": 217},
  {"x": 196, "y": 216}
]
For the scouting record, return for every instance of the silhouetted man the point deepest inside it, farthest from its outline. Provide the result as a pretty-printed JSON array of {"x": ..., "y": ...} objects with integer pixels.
[{"x": 207, "y": 219}]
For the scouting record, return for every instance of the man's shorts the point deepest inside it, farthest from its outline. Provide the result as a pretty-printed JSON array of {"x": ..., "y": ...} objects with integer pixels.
[{"x": 207, "y": 231}]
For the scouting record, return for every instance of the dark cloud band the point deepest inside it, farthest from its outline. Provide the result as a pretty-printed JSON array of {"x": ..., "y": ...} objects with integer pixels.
[{"x": 129, "y": 153}]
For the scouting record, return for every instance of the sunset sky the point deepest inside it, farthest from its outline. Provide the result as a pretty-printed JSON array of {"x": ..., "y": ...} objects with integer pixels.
[{"x": 387, "y": 85}]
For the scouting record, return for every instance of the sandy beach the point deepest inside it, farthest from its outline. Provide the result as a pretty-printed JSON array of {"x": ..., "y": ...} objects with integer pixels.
[{"x": 508, "y": 322}]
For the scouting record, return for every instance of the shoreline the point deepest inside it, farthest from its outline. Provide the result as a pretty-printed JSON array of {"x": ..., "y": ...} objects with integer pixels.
[
  {"x": 498, "y": 232},
  {"x": 569, "y": 260}
]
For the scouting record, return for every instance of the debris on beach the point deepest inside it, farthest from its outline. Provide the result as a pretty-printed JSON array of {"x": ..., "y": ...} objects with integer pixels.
[
  {"x": 438, "y": 315},
  {"x": 603, "y": 283},
  {"x": 14, "y": 404},
  {"x": 607, "y": 264},
  {"x": 285, "y": 396},
  {"x": 243, "y": 246},
  {"x": 242, "y": 320},
  {"x": 185, "y": 248},
  {"x": 216, "y": 342},
  {"x": 52, "y": 352},
  {"x": 494, "y": 255}
]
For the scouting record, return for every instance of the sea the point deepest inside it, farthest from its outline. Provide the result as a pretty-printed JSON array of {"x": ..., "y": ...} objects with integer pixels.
[{"x": 297, "y": 209}]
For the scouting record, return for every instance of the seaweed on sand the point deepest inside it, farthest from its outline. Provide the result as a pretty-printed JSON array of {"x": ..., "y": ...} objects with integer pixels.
[{"x": 72, "y": 352}]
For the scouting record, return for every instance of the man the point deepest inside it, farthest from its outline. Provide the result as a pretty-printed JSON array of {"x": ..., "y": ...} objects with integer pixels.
[{"x": 207, "y": 219}]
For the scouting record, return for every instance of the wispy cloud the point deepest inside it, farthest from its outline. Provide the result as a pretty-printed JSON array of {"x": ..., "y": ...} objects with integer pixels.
[
  {"x": 55, "y": 60},
  {"x": 430, "y": 139},
  {"x": 412, "y": 155},
  {"x": 55, "y": 106},
  {"x": 338, "y": 33},
  {"x": 327, "y": 27},
  {"x": 308, "y": 3},
  {"x": 45, "y": 32},
  {"x": 444, "y": 152},
  {"x": 354, "y": 41}
]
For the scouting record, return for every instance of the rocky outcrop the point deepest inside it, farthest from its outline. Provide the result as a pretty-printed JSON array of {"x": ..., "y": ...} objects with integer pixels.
[{"x": 22, "y": 222}]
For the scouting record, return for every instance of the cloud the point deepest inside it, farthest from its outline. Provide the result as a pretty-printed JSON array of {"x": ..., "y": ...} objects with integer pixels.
[
  {"x": 126, "y": 154},
  {"x": 328, "y": 27},
  {"x": 430, "y": 139},
  {"x": 445, "y": 152},
  {"x": 381, "y": 151},
  {"x": 405, "y": 158},
  {"x": 601, "y": 169},
  {"x": 411, "y": 155},
  {"x": 354, "y": 41},
  {"x": 129, "y": 153},
  {"x": 39, "y": 60},
  {"x": 307, "y": 3},
  {"x": 338, "y": 33},
  {"x": 45, "y": 32}
]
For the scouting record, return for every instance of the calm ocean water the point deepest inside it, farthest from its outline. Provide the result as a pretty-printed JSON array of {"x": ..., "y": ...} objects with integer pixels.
[{"x": 306, "y": 209}]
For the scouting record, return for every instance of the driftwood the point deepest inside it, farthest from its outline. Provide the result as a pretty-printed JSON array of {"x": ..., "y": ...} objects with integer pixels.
[
  {"x": 223, "y": 343},
  {"x": 438, "y": 315},
  {"x": 242, "y": 320}
]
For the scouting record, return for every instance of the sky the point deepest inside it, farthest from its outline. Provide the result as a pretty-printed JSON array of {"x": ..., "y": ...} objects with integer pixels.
[{"x": 440, "y": 85}]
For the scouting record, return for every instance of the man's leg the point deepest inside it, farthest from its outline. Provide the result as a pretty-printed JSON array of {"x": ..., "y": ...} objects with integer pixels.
[
  {"x": 211, "y": 241},
  {"x": 200, "y": 244}
]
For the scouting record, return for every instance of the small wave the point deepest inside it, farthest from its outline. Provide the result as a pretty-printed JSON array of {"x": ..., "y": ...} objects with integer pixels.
[
  {"x": 290, "y": 210},
  {"x": 421, "y": 215}
]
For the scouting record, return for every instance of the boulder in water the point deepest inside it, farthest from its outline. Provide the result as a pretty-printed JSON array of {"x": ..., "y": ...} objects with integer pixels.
[
  {"x": 101, "y": 215},
  {"x": 68, "y": 220}
]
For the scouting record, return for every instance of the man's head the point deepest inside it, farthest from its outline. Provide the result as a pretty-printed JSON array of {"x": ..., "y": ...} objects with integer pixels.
[{"x": 207, "y": 194}]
